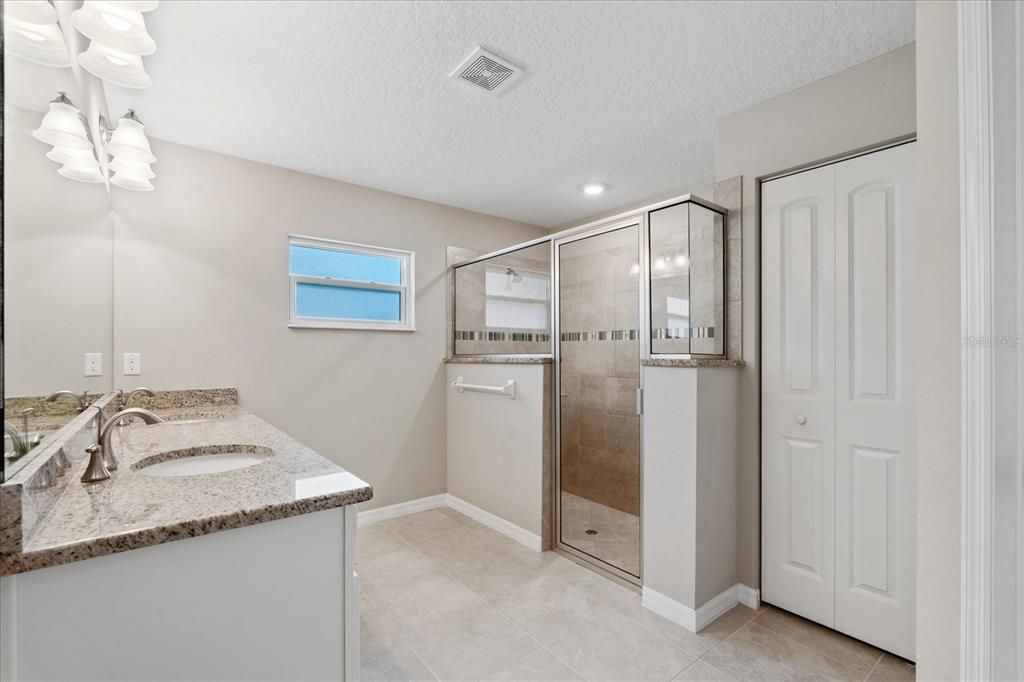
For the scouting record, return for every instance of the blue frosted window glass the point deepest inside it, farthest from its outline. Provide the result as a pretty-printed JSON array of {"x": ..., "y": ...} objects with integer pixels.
[
  {"x": 348, "y": 303},
  {"x": 308, "y": 260}
]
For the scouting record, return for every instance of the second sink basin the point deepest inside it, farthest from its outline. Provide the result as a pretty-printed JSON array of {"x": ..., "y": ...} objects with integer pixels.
[{"x": 208, "y": 459}]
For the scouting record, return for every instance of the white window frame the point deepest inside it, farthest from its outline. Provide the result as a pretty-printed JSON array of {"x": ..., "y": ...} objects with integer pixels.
[{"x": 407, "y": 321}]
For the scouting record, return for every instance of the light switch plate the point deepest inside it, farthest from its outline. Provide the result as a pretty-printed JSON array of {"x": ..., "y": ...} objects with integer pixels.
[
  {"x": 94, "y": 364},
  {"x": 132, "y": 363}
]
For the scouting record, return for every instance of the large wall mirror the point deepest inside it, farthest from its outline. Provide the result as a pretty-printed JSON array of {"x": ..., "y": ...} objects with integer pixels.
[{"x": 58, "y": 292}]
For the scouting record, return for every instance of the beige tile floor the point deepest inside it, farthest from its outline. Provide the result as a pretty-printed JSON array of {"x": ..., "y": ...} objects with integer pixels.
[
  {"x": 617, "y": 537},
  {"x": 447, "y": 598}
]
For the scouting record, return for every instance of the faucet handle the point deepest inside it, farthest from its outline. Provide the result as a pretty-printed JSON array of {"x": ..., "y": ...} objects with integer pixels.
[{"x": 96, "y": 471}]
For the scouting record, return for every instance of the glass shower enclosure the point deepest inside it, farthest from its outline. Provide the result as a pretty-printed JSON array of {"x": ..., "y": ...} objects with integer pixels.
[{"x": 597, "y": 361}]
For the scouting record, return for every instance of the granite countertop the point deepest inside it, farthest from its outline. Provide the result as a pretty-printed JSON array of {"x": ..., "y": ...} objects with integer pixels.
[
  {"x": 499, "y": 360},
  {"x": 134, "y": 509},
  {"x": 691, "y": 362}
]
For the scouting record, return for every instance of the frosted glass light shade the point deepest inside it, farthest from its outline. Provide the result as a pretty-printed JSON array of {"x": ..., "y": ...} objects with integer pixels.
[
  {"x": 132, "y": 170},
  {"x": 114, "y": 25},
  {"x": 31, "y": 11},
  {"x": 62, "y": 127},
  {"x": 113, "y": 66},
  {"x": 134, "y": 184},
  {"x": 81, "y": 173},
  {"x": 135, "y": 5},
  {"x": 73, "y": 157},
  {"x": 37, "y": 43},
  {"x": 129, "y": 142}
]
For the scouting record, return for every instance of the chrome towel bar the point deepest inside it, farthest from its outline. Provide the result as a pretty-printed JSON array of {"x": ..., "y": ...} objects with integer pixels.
[{"x": 508, "y": 390}]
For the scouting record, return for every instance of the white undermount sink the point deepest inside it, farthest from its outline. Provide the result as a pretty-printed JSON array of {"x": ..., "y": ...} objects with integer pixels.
[{"x": 212, "y": 459}]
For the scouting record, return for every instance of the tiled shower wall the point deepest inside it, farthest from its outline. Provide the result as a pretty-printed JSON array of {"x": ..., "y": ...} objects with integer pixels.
[{"x": 600, "y": 455}]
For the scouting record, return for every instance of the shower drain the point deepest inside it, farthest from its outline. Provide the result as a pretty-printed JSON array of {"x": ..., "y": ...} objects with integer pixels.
[{"x": 591, "y": 531}]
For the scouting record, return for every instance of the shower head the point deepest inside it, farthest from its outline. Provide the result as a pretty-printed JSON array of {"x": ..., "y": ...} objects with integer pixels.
[{"x": 513, "y": 275}]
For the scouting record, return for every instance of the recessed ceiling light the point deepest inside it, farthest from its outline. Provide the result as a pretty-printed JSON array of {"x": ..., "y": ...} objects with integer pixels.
[{"x": 593, "y": 188}]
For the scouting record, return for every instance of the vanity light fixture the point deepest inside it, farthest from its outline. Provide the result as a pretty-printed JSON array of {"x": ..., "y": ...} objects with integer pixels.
[
  {"x": 593, "y": 188},
  {"x": 131, "y": 169},
  {"x": 128, "y": 141},
  {"x": 63, "y": 125},
  {"x": 682, "y": 260},
  {"x": 116, "y": 24},
  {"x": 113, "y": 66},
  {"x": 31, "y": 32}
]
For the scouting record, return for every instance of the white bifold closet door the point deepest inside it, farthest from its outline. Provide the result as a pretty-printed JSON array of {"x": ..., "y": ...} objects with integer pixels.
[{"x": 838, "y": 419}]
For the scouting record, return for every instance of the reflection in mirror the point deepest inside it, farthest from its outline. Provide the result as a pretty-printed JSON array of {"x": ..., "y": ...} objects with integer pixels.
[
  {"x": 503, "y": 304},
  {"x": 57, "y": 292},
  {"x": 687, "y": 280}
]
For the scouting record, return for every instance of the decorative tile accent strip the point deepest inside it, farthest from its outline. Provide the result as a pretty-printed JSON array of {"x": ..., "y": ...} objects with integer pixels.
[
  {"x": 684, "y": 333},
  {"x": 610, "y": 335},
  {"x": 468, "y": 335}
]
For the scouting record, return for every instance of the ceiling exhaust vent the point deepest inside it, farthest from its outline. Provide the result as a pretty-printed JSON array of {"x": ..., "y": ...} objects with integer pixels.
[{"x": 487, "y": 71}]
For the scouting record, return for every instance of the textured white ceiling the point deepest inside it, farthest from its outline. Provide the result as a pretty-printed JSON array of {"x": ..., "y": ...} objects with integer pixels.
[{"x": 625, "y": 93}]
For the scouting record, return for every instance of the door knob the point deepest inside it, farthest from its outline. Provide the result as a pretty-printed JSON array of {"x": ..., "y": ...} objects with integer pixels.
[{"x": 801, "y": 420}]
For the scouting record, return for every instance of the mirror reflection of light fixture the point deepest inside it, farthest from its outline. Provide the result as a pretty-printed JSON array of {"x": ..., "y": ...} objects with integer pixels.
[
  {"x": 129, "y": 142},
  {"x": 131, "y": 169},
  {"x": 115, "y": 67},
  {"x": 134, "y": 184},
  {"x": 64, "y": 155},
  {"x": 31, "y": 32},
  {"x": 682, "y": 260},
  {"x": 82, "y": 173},
  {"x": 117, "y": 25},
  {"x": 660, "y": 263},
  {"x": 634, "y": 269},
  {"x": 62, "y": 125}
]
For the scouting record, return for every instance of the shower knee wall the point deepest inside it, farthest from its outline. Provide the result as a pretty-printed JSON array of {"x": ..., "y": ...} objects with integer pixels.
[{"x": 690, "y": 456}]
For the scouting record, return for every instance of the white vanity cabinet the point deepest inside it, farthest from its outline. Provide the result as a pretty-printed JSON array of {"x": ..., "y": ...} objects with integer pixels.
[{"x": 276, "y": 600}]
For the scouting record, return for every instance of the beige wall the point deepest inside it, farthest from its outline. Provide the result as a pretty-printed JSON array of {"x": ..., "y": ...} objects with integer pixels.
[
  {"x": 938, "y": 359},
  {"x": 201, "y": 272},
  {"x": 861, "y": 106},
  {"x": 57, "y": 269}
]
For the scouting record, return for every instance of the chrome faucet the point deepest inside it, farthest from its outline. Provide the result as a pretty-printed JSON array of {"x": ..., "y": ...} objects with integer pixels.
[
  {"x": 101, "y": 455},
  {"x": 141, "y": 390},
  {"x": 18, "y": 441},
  {"x": 80, "y": 399}
]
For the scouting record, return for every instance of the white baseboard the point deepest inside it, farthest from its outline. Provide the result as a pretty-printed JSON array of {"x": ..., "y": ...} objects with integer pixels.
[
  {"x": 669, "y": 608},
  {"x": 749, "y": 596},
  {"x": 696, "y": 620},
  {"x": 520, "y": 535},
  {"x": 372, "y": 516}
]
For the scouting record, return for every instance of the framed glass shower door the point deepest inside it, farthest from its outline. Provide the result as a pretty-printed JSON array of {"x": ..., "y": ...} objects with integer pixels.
[{"x": 598, "y": 378}]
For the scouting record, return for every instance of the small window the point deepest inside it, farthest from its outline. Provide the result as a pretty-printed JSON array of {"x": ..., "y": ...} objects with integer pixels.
[{"x": 339, "y": 285}]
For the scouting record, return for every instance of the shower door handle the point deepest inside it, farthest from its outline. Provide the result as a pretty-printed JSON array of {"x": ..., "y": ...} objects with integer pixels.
[{"x": 639, "y": 401}]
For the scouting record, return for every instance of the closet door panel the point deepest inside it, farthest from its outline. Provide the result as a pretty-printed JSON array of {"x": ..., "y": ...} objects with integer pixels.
[
  {"x": 798, "y": 394},
  {"x": 875, "y": 417}
]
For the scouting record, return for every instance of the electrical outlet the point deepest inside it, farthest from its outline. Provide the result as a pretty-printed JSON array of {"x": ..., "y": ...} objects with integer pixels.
[
  {"x": 94, "y": 364},
  {"x": 132, "y": 363}
]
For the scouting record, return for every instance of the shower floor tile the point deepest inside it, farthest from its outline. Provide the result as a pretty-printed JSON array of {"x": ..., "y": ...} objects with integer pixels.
[
  {"x": 614, "y": 535},
  {"x": 446, "y": 601}
]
